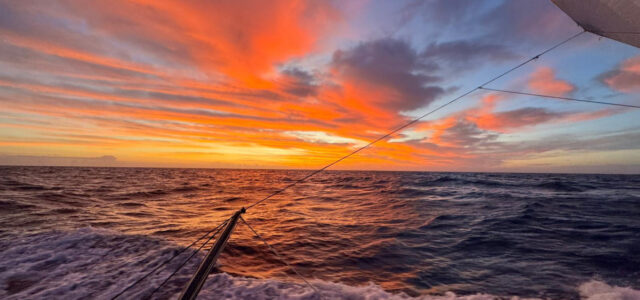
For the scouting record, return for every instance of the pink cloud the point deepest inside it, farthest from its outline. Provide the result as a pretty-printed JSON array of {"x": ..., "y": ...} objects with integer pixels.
[
  {"x": 544, "y": 81},
  {"x": 626, "y": 78}
]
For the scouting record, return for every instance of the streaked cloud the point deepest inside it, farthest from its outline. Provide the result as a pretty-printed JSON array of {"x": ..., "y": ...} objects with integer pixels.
[
  {"x": 323, "y": 137},
  {"x": 31, "y": 160},
  {"x": 278, "y": 83},
  {"x": 464, "y": 53}
]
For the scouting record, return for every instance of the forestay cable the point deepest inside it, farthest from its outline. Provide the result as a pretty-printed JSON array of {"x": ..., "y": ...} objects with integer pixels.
[
  {"x": 367, "y": 146},
  {"x": 559, "y": 97},
  {"x": 166, "y": 261},
  {"x": 188, "y": 259},
  {"x": 415, "y": 120}
]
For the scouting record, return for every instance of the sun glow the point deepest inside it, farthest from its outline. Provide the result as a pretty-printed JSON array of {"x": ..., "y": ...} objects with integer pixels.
[{"x": 292, "y": 84}]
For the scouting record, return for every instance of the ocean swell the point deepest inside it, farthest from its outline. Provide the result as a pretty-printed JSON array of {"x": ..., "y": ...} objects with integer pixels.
[{"x": 94, "y": 263}]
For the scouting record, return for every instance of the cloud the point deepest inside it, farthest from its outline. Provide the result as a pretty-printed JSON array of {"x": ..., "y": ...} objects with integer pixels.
[
  {"x": 389, "y": 73},
  {"x": 205, "y": 81},
  {"x": 298, "y": 82},
  {"x": 323, "y": 137},
  {"x": 626, "y": 78},
  {"x": 463, "y": 53},
  {"x": 624, "y": 140},
  {"x": 216, "y": 38},
  {"x": 509, "y": 121},
  {"x": 466, "y": 134},
  {"x": 476, "y": 129},
  {"x": 27, "y": 160},
  {"x": 544, "y": 81},
  {"x": 487, "y": 116}
]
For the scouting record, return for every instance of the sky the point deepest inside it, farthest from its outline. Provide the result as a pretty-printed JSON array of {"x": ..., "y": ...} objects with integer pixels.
[{"x": 298, "y": 84}]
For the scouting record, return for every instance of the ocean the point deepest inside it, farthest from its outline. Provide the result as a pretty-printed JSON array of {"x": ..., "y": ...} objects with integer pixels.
[{"x": 87, "y": 233}]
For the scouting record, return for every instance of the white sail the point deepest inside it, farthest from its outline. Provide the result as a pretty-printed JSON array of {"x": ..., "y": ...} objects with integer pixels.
[{"x": 615, "y": 19}]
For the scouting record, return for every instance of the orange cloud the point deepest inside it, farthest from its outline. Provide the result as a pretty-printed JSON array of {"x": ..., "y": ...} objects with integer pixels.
[
  {"x": 544, "y": 81},
  {"x": 241, "y": 40},
  {"x": 244, "y": 40},
  {"x": 508, "y": 121},
  {"x": 237, "y": 82},
  {"x": 374, "y": 81},
  {"x": 480, "y": 124}
]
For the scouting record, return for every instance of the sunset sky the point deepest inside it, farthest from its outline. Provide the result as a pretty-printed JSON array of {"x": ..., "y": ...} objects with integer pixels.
[{"x": 293, "y": 84}]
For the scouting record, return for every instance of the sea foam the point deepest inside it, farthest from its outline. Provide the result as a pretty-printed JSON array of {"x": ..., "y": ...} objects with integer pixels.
[
  {"x": 598, "y": 290},
  {"x": 97, "y": 264}
]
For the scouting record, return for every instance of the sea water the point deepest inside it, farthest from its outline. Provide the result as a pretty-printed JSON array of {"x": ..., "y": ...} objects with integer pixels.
[{"x": 87, "y": 233}]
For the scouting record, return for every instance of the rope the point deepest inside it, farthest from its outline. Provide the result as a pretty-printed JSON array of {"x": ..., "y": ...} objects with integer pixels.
[
  {"x": 280, "y": 257},
  {"x": 415, "y": 120},
  {"x": 558, "y": 97},
  {"x": 188, "y": 259},
  {"x": 339, "y": 160},
  {"x": 164, "y": 263}
]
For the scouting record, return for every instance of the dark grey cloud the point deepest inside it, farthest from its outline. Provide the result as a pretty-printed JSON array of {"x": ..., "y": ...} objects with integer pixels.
[
  {"x": 393, "y": 64},
  {"x": 527, "y": 116},
  {"x": 464, "y": 53},
  {"x": 299, "y": 74},
  {"x": 620, "y": 79},
  {"x": 467, "y": 135},
  {"x": 299, "y": 82}
]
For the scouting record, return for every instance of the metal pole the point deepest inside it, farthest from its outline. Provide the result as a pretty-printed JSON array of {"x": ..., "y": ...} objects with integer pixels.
[{"x": 192, "y": 289}]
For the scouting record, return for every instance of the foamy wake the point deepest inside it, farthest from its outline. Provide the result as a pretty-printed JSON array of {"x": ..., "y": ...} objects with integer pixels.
[
  {"x": 97, "y": 264},
  {"x": 597, "y": 290},
  {"x": 245, "y": 288}
]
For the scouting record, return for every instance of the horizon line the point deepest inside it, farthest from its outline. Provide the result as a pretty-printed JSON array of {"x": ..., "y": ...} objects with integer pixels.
[{"x": 336, "y": 170}]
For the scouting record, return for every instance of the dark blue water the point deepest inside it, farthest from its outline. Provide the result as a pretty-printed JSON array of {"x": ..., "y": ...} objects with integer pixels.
[{"x": 88, "y": 232}]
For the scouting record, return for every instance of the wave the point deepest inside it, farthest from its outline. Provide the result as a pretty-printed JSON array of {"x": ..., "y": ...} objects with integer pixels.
[
  {"x": 186, "y": 188},
  {"x": 21, "y": 186},
  {"x": 139, "y": 194},
  {"x": 87, "y": 263},
  {"x": 65, "y": 211},
  {"x": 561, "y": 186},
  {"x": 132, "y": 204},
  {"x": 472, "y": 181},
  {"x": 8, "y": 205},
  {"x": 553, "y": 185},
  {"x": 94, "y": 263}
]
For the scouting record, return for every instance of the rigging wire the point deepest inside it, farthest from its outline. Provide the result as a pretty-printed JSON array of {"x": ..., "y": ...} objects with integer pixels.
[
  {"x": 415, "y": 120},
  {"x": 187, "y": 260},
  {"x": 166, "y": 261},
  {"x": 345, "y": 157},
  {"x": 559, "y": 97},
  {"x": 280, "y": 256}
]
